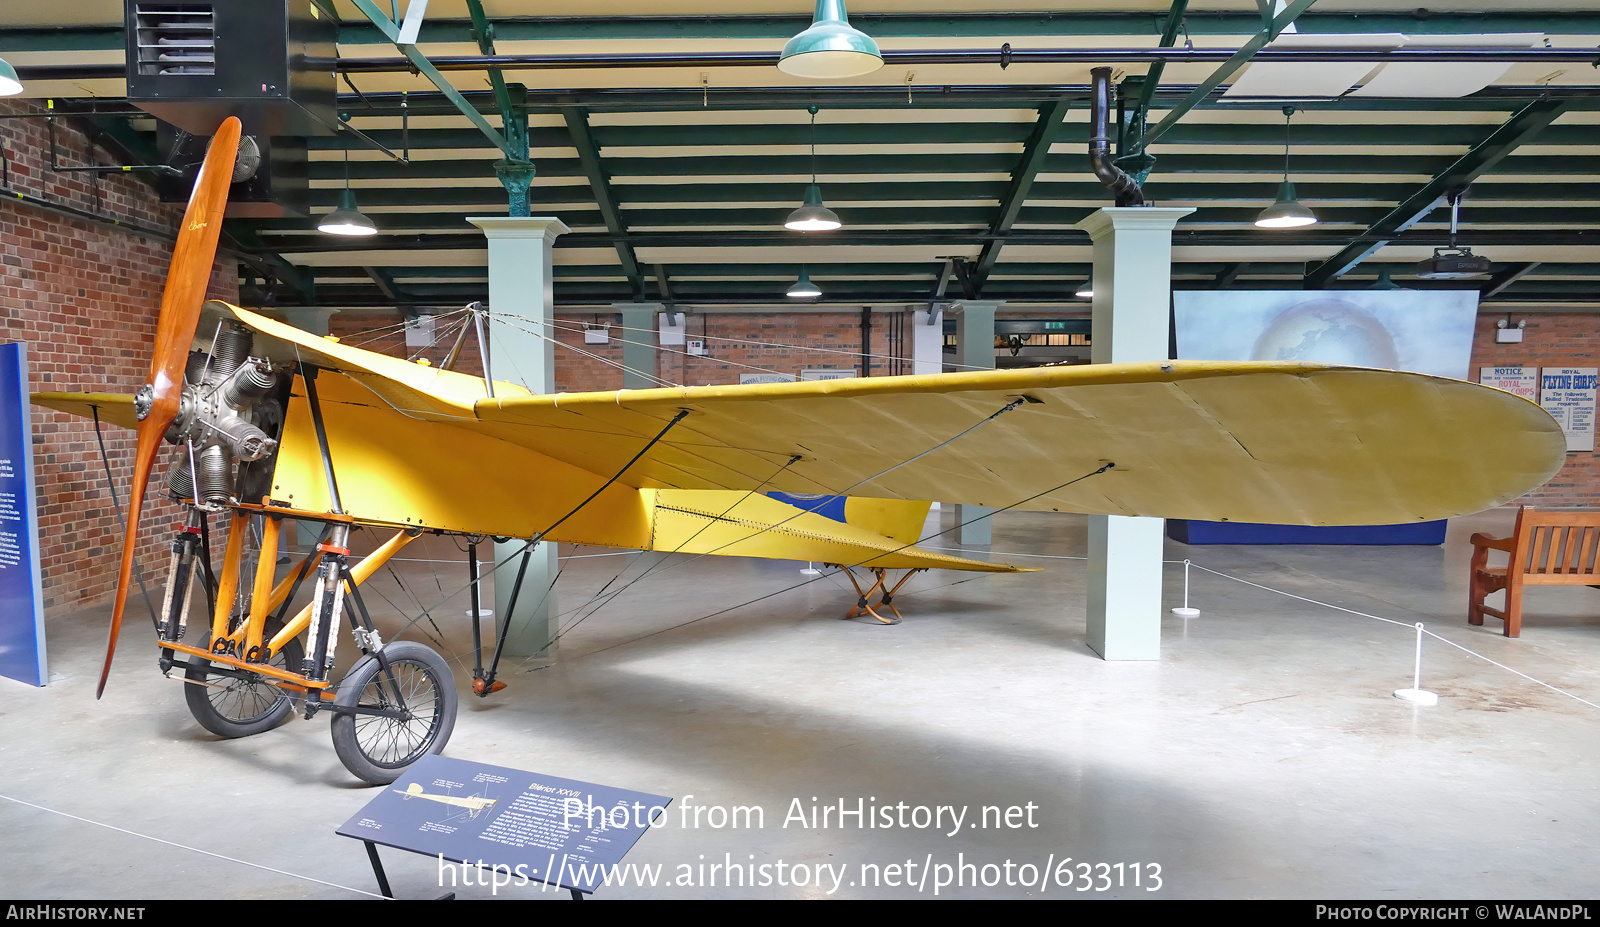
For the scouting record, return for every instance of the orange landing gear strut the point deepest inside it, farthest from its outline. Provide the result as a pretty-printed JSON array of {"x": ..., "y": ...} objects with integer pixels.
[{"x": 863, "y": 598}]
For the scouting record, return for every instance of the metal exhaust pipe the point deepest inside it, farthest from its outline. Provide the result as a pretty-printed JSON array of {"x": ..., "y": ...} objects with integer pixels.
[{"x": 1118, "y": 181}]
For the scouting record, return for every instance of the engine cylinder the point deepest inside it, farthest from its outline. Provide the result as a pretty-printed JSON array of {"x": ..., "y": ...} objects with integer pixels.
[
  {"x": 215, "y": 483},
  {"x": 180, "y": 480},
  {"x": 254, "y": 380},
  {"x": 233, "y": 346}
]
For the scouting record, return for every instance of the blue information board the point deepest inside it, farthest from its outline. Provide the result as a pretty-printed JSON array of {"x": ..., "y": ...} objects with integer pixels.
[
  {"x": 527, "y": 826},
  {"x": 21, "y": 598}
]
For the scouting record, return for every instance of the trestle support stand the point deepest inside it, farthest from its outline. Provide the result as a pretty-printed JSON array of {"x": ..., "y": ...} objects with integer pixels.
[{"x": 864, "y": 597}]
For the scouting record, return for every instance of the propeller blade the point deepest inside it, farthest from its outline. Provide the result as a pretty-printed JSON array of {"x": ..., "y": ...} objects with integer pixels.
[{"x": 187, "y": 279}]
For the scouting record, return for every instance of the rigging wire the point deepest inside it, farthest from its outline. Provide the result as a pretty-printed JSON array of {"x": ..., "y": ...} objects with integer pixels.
[{"x": 989, "y": 514}]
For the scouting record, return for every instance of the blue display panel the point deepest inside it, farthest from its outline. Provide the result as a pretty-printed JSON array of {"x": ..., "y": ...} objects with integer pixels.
[
  {"x": 528, "y": 826},
  {"x": 21, "y": 598}
]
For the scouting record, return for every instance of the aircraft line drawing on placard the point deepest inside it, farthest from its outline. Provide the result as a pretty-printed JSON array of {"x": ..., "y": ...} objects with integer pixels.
[
  {"x": 268, "y": 422},
  {"x": 475, "y": 804}
]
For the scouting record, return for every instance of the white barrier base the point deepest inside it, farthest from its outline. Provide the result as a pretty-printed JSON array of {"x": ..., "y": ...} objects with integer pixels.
[{"x": 1418, "y": 696}]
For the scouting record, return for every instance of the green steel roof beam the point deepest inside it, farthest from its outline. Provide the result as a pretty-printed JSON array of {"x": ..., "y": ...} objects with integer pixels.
[
  {"x": 1034, "y": 152},
  {"x": 483, "y": 34},
  {"x": 385, "y": 284},
  {"x": 589, "y": 156},
  {"x": 1169, "y": 37},
  {"x": 1483, "y": 157},
  {"x": 1501, "y": 280},
  {"x": 264, "y": 257},
  {"x": 1227, "y": 70},
  {"x": 391, "y": 31}
]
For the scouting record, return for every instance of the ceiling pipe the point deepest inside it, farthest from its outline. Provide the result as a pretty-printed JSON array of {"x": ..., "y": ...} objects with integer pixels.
[
  {"x": 395, "y": 64},
  {"x": 1118, "y": 181},
  {"x": 964, "y": 56}
]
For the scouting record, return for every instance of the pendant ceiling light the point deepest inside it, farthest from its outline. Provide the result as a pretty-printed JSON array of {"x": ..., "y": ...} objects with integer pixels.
[
  {"x": 347, "y": 219},
  {"x": 1287, "y": 212},
  {"x": 10, "y": 85},
  {"x": 812, "y": 216},
  {"x": 1087, "y": 290},
  {"x": 830, "y": 48},
  {"x": 804, "y": 288}
]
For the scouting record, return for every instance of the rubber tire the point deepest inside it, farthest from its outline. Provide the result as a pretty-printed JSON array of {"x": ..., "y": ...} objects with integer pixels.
[
  {"x": 423, "y": 677},
  {"x": 254, "y": 714}
]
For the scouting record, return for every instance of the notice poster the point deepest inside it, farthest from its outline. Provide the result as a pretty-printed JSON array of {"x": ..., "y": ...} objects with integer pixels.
[
  {"x": 21, "y": 599},
  {"x": 745, "y": 379},
  {"x": 1522, "y": 381},
  {"x": 1568, "y": 393}
]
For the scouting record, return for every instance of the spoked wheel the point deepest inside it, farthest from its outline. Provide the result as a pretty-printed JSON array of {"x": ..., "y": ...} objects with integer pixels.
[
  {"x": 231, "y": 707},
  {"x": 382, "y": 738}
]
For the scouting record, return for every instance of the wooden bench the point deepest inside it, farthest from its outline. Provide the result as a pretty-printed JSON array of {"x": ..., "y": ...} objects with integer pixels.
[{"x": 1547, "y": 548}]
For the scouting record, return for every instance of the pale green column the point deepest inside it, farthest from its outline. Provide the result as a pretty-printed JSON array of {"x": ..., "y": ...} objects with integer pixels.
[
  {"x": 521, "y": 350},
  {"x": 974, "y": 350},
  {"x": 639, "y": 344},
  {"x": 1132, "y": 295}
]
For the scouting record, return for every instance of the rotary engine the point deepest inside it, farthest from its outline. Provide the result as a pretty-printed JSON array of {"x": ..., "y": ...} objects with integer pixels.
[{"x": 227, "y": 418}]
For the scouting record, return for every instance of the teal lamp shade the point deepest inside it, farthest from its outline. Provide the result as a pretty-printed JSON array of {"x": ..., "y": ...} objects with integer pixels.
[
  {"x": 830, "y": 48},
  {"x": 1287, "y": 213},
  {"x": 811, "y": 215},
  {"x": 347, "y": 219},
  {"x": 804, "y": 288},
  {"x": 10, "y": 86}
]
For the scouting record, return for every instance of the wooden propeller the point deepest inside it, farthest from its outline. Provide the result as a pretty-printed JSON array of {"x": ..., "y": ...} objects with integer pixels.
[{"x": 185, "y": 293}]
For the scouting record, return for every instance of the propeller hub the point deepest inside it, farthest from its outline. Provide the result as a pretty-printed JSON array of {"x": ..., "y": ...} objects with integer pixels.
[{"x": 144, "y": 400}]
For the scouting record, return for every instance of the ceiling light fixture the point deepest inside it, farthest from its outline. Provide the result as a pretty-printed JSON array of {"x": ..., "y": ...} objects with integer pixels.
[
  {"x": 804, "y": 288},
  {"x": 10, "y": 84},
  {"x": 830, "y": 47},
  {"x": 811, "y": 215},
  {"x": 347, "y": 219},
  {"x": 1087, "y": 290},
  {"x": 1451, "y": 262},
  {"x": 1287, "y": 212}
]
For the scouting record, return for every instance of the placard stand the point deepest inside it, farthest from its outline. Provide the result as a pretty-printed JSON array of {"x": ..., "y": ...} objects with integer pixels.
[{"x": 522, "y": 826}]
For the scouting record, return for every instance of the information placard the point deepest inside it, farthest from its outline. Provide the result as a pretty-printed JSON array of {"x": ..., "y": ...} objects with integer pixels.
[
  {"x": 1568, "y": 393},
  {"x": 527, "y": 826},
  {"x": 1523, "y": 381},
  {"x": 21, "y": 598}
]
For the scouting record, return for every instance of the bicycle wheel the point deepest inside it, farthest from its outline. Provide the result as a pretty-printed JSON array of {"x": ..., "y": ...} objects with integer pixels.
[
  {"x": 377, "y": 747},
  {"x": 231, "y": 707}
]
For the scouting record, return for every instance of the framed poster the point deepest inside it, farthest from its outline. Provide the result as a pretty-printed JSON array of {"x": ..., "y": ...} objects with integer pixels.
[
  {"x": 773, "y": 377},
  {"x": 1523, "y": 381},
  {"x": 1568, "y": 393},
  {"x": 828, "y": 373}
]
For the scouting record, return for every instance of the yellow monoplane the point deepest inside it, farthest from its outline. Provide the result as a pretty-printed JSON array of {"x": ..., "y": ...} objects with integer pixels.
[{"x": 270, "y": 422}]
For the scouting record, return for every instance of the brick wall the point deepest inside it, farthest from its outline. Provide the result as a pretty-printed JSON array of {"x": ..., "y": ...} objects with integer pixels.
[
  {"x": 84, "y": 296},
  {"x": 736, "y": 343},
  {"x": 1554, "y": 339}
]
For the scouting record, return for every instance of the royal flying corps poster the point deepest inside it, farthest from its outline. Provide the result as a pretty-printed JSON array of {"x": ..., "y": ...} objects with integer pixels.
[{"x": 1422, "y": 331}]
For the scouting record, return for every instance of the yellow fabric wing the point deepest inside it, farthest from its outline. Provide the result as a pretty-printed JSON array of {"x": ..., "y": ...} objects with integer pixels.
[
  {"x": 1247, "y": 441},
  {"x": 1243, "y": 441}
]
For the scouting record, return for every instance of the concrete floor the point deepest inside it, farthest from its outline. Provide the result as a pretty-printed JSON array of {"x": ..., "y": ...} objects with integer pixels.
[{"x": 1263, "y": 757}]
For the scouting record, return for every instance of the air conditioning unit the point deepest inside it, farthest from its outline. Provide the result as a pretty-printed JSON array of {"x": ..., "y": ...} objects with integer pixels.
[{"x": 269, "y": 62}]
